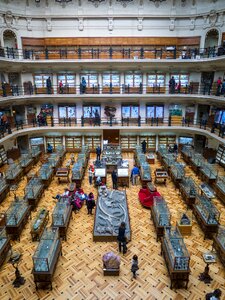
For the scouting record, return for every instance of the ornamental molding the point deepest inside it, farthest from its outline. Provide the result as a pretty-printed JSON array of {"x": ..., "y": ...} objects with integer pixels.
[
  {"x": 110, "y": 24},
  {"x": 140, "y": 24},
  {"x": 29, "y": 21},
  {"x": 49, "y": 24},
  {"x": 8, "y": 17},
  {"x": 213, "y": 19},
  {"x": 80, "y": 24}
]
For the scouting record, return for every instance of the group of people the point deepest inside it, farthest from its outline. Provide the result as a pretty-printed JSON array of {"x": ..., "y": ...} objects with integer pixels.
[
  {"x": 220, "y": 87},
  {"x": 77, "y": 198}
]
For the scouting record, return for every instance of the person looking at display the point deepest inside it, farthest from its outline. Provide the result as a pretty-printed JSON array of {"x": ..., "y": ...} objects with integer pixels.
[
  {"x": 49, "y": 148},
  {"x": 114, "y": 179},
  {"x": 134, "y": 175},
  {"x": 90, "y": 203},
  {"x": 98, "y": 152},
  {"x": 90, "y": 174},
  {"x": 121, "y": 238},
  {"x": 144, "y": 144}
]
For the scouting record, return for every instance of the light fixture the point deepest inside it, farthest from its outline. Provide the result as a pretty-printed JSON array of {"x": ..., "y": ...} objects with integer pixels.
[{"x": 63, "y": 1}]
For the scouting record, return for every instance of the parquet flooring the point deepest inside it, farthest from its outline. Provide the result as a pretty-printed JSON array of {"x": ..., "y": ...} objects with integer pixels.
[{"x": 79, "y": 273}]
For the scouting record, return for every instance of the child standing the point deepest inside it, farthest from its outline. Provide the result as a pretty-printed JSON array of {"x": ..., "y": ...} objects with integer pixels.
[
  {"x": 134, "y": 265},
  {"x": 90, "y": 203}
]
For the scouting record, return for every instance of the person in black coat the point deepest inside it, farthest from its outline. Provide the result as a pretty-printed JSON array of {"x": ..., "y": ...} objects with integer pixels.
[
  {"x": 121, "y": 238},
  {"x": 98, "y": 152},
  {"x": 144, "y": 144},
  {"x": 114, "y": 179}
]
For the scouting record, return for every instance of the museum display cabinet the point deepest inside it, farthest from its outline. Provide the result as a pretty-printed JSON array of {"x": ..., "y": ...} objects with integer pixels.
[
  {"x": 54, "y": 161},
  {"x": 16, "y": 217},
  {"x": 219, "y": 243},
  {"x": 26, "y": 162},
  {"x": 101, "y": 171},
  {"x": 161, "y": 175},
  {"x": 207, "y": 191},
  {"x": 46, "y": 257},
  {"x": 123, "y": 178},
  {"x": 187, "y": 153},
  {"x": 219, "y": 187},
  {"x": 4, "y": 245},
  {"x": 39, "y": 223},
  {"x": 207, "y": 215},
  {"x": 150, "y": 142},
  {"x": 31, "y": 174},
  {"x": 83, "y": 156},
  {"x": 63, "y": 175},
  {"x": 14, "y": 173},
  {"x": 111, "y": 156},
  {"x": 61, "y": 151},
  {"x": 176, "y": 257},
  {"x": 140, "y": 159},
  {"x": 184, "y": 222},
  {"x": 177, "y": 173},
  {"x": 145, "y": 174},
  {"x": 167, "y": 161},
  {"x": 188, "y": 189},
  {"x": 4, "y": 189},
  {"x": 3, "y": 156},
  {"x": 220, "y": 155},
  {"x": 78, "y": 173},
  {"x": 46, "y": 173},
  {"x": 196, "y": 162},
  {"x": 150, "y": 158},
  {"x": 61, "y": 216},
  {"x": 162, "y": 151},
  {"x": 208, "y": 173},
  {"x": 160, "y": 215},
  {"x": 167, "y": 140},
  {"x": 33, "y": 191},
  {"x": 111, "y": 210},
  {"x": 36, "y": 153},
  {"x": 92, "y": 142}
]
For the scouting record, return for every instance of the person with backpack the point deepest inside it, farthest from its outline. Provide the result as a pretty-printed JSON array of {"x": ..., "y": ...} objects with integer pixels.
[
  {"x": 215, "y": 295},
  {"x": 90, "y": 203}
]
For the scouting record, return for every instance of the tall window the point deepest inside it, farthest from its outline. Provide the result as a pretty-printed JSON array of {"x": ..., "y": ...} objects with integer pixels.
[
  {"x": 183, "y": 78},
  {"x": 154, "y": 111},
  {"x": 40, "y": 80},
  {"x": 89, "y": 111},
  {"x": 68, "y": 111},
  {"x": 156, "y": 80},
  {"x": 130, "y": 111},
  {"x": 133, "y": 80},
  {"x": 67, "y": 79},
  {"x": 110, "y": 78},
  {"x": 91, "y": 79}
]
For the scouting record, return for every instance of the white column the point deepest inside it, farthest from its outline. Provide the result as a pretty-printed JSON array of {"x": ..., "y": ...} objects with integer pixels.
[
  {"x": 100, "y": 83},
  {"x": 196, "y": 114},
  {"x": 54, "y": 83},
  {"x": 122, "y": 81},
  {"x": 144, "y": 82},
  {"x": 77, "y": 82}
]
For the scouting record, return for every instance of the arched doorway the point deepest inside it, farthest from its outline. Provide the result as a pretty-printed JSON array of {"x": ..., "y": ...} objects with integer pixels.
[
  {"x": 9, "y": 39},
  {"x": 212, "y": 38},
  {"x": 10, "y": 43}
]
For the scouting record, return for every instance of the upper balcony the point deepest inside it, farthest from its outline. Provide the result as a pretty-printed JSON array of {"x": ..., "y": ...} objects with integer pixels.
[
  {"x": 121, "y": 58},
  {"x": 195, "y": 92}
]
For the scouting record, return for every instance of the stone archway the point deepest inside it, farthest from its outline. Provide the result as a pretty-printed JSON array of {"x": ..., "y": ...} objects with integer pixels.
[
  {"x": 9, "y": 39},
  {"x": 212, "y": 38}
]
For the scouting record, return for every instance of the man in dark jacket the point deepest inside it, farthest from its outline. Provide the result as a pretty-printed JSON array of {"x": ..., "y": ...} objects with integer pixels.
[
  {"x": 114, "y": 179},
  {"x": 121, "y": 238},
  {"x": 98, "y": 152}
]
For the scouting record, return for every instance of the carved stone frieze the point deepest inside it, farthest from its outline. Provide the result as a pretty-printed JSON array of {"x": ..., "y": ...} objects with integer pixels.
[
  {"x": 81, "y": 24},
  {"x": 29, "y": 20},
  {"x": 8, "y": 17},
  {"x": 110, "y": 24},
  {"x": 172, "y": 24},
  {"x": 140, "y": 24},
  {"x": 213, "y": 19},
  {"x": 192, "y": 25},
  {"x": 49, "y": 24}
]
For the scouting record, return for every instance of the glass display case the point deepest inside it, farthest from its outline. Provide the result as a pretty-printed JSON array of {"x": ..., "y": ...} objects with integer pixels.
[
  {"x": 36, "y": 153},
  {"x": 188, "y": 190},
  {"x": 177, "y": 172},
  {"x": 207, "y": 215},
  {"x": 219, "y": 243},
  {"x": 207, "y": 209},
  {"x": 187, "y": 152},
  {"x": 4, "y": 244},
  {"x": 209, "y": 173},
  {"x": 4, "y": 189},
  {"x": 39, "y": 223},
  {"x": 168, "y": 160},
  {"x": 16, "y": 217},
  {"x": 196, "y": 161},
  {"x": 46, "y": 256},
  {"x": 111, "y": 210},
  {"x": 61, "y": 216},
  {"x": 53, "y": 160},
  {"x": 160, "y": 215},
  {"x": 33, "y": 191},
  {"x": 45, "y": 171},
  {"x": 162, "y": 151},
  {"x": 14, "y": 173},
  {"x": 140, "y": 159},
  {"x": 61, "y": 151},
  {"x": 26, "y": 162},
  {"x": 176, "y": 256},
  {"x": 145, "y": 172},
  {"x": 77, "y": 170},
  {"x": 219, "y": 188}
]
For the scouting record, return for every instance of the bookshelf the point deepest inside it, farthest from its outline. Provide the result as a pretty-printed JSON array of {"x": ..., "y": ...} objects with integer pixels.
[
  {"x": 150, "y": 140},
  {"x": 3, "y": 156},
  {"x": 128, "y": 142},
  {"x": 92, "y": 142},
  {"x": 220, "y": 155},
  {"x": 73, "y": 143},
  {"x": 54, "y": 141},
  {"x": 167, "y": 140}
]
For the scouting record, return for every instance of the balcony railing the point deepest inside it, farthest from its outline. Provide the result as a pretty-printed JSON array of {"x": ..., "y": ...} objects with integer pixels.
[
  {"x": 149, "y": 52},
  {"x": 193, "y": 88},
  {"x": 7, "y": 128}
]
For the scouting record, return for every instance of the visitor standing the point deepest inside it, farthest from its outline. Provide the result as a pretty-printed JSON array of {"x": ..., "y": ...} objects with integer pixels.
[
  {"x": 98, "y": 152},
  {"x": 134, "y": 266},
  {"x": 90, "y": 203},
  {"x": 114, "y": 179},
  {"x": 49, "y": 85},
  {"x": 90, "y": 175},
  {"x": 134, "y": 175},
  {"x": 144, "y": 144},
  {"x": 121, "y": 238}
]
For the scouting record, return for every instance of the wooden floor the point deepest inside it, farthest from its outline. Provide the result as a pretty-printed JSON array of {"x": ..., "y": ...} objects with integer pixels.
[{"x": 79, "y": 271}]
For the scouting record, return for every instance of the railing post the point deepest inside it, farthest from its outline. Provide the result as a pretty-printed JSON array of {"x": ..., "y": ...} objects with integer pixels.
[
  {"x": 152, "y": 121},
  {"x": 157, "y": 121},
  {"x": 110, "y": 121},
  {"x": 69, "y": 120},
  {"x": 169, "y": 121},
  {"x": 142, "y": 53},
  {"x": 122, "y": 121},
  {"x": 141, "y": 88},
  {"x": 52, "y": 121},
  {"x": 128, "y": 121},
  {"x": 110, "y": 52},
  {"x": 79, "y": 52},
  {"x": 46, "y": 53},
  {"x": 82, "y": 121},
  {"x": 110, "y": 87}
]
